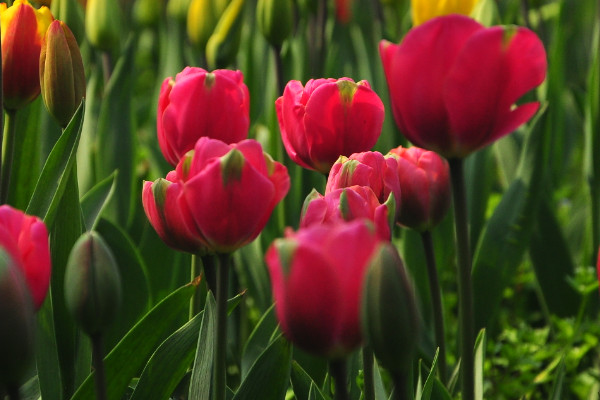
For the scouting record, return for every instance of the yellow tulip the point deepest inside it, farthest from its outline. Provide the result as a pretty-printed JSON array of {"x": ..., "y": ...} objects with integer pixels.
[{"x": 424, "y": 10}]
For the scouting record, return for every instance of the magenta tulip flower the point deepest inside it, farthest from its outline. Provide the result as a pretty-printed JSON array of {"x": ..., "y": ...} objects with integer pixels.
[
  {"x": 25, "y": 237},
  {"x": 454, "y": 83},
  {"x": 198, "y": 103},
  {"x": 326, "y": 119}
]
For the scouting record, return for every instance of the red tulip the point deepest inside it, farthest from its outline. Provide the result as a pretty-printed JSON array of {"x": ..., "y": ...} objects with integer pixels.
[
  {"x": 326, "y": 119},
  {"x": 343, "y": 10},
  {"x": 453, "y": 83},
  {"x": 316, "y": 276},
  {"x": 198, "y": 104},
  {"x": 26, "y": 239},
  {"x": 23, "y": 30},
  {"x": 424, "y": 179},
  {"x": 347, "y": 204},
  {"x": 218, "y": 199},
  {"x": 369, "y": 168}
]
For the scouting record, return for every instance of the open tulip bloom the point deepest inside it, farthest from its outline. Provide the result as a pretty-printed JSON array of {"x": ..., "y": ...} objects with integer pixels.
[{"x": 453, "y": 83}]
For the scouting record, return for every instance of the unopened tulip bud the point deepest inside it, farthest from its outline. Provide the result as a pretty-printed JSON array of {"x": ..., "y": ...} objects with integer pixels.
[
  {"x": 62, "y": 77},
  {"x": 71, "y": 13},
  {"x": 388, "y": 314},
  {"x": 202, "y": 18},
  {"x": 222, "y": 47},
  {"x": 17, "y": 326},
  {"x": 92, "y": 284},
  {"x": 274, "y": 19},
  {"x": 103, "y": 24},
  {"x": 147, "y": 12}
]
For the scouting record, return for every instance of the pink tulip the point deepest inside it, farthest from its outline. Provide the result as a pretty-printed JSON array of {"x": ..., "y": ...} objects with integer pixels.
[
  {"x": 26, "y": 239},
  {"x": 201, "y": 104},
  {"x": 326, "y": 119},
  {"x": 454, "y": 83},
  {"x": 424, "y": 179},
  {"x": 317, "y": 277}
]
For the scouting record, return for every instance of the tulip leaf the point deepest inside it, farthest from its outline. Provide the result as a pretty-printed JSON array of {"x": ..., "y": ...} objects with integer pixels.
[
  {"x": 268, "y": 378},
  {"x": 424, "y": 392},
  {"x": 506, "y": 235},
  {"x": 258, "y": 340},
  {"x": 48, "y": 367},
  {"x": 134, "y": 278},
  {"x": 127, "y": 358},
  {"x": 201, "y": 379},
  {"x": 480, "y": 345},
  {"x": 56, "y": 171},
  {"x": 303, "y": 385},
  {"x": 95, "y": 200}
]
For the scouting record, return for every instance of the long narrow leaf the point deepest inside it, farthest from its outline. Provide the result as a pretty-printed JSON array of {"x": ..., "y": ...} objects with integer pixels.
[
  {"x": 201, "y": 380},
  {"x": 95, "y": 200}
]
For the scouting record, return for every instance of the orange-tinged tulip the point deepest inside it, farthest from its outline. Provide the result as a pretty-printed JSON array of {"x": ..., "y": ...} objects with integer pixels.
[
  {"x": 23, "y": 30},
  {"x": 424, "y": 10}
]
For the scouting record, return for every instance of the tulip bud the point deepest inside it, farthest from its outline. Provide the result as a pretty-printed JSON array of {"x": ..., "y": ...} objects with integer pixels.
[
  {"x": 103, "y": 24},
  {"x": 62, "y": 77},
  {"x": 424, "y": 10},
  {"x": 178, "y": 9},
  {"x": 147, "y": 12},
  {"x": 222, "y": 46},
  {"x": 202, "y": 18},
  {"x": 274, "y": 19},
  {"x": 23, "y": 30},
  {"x": 71, "y": 13},
  {"x": 388, "y": 313},
  {"x": 92, "y": 284},
  {"x": 17, "y": 327}
]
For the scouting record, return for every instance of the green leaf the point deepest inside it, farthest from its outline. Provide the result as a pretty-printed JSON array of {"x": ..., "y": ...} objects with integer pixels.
[
  {"x": 425, "y": 392},
  {"x": 268, "y": 377},
  {"x": 95, "y": 200},
  {"x": 506, "y": 234},
  {"x": 46, "y": 356},
  {"x": 134, "y": 278},
  {"x": 134, "y": 349},
  {"x": 557, "y": 387},
  {"x": 55, "y": 174},
  {"x": 480, "y": 344},
  {"x": 201, "y": 380},
  {"x": 303, "y": 385},
  {"x": 259, "y": 340}
]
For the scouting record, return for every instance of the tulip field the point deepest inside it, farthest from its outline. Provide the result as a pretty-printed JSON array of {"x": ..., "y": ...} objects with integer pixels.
[{"x": 300, "y": 199}]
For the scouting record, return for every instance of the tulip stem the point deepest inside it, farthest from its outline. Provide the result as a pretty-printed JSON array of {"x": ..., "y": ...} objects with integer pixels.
[
  {"x": 98, "y": 362},
  {"x": 465, "y": 290},
  {"x": 367, "y": 354},
  {"x": 436, "y": 299},
  {"x": 337, "y": 370},
  {"x": 595, "y": 197},
  {"x": 279, "y": 70},
  {"x": 106, "y": 66},
  {"x": 9, "y": 133},
  {"x": 221, "y": 349},
  {"x": 208, "y": 265}
]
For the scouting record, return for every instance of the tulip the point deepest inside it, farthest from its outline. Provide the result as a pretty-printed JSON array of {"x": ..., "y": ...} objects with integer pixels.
[
  {"x": 343, "y": 10},
  {"x": 424, "y": 10},
  {"x": 62, "y": 76},
  {"x": 369, "y": 168},
  {"x": 425, "y": 183},
  {"x": 317, "y": 279},
  {"x": 202, "y": 18},
  {"x": 92, "y": 284},
  {"x": 103, "y": 24},
  {"x": 71, "y": 12},
  {"x": 275, "y": 20},
  {"x": 220, "y": 196},
  {"x": 222, "y": 46},
  {"x": 326, "y": 119},
  {"x": 18, "y": 323},
  {"x": 198, "y": 103},
  {"x": 25, "y": 238},
  {"x": 23, "y": 30},
  {"x": 428, "y": 72},
  {"x": 347, "y": 204}
]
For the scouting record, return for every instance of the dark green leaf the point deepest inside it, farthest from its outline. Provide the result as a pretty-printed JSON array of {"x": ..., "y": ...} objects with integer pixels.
[
  {"x": 94, "y": 201},
  {"x": 259, "y": 340},
  {"x": 201, "y": 380},
  {"x": 303, "y": 385}
]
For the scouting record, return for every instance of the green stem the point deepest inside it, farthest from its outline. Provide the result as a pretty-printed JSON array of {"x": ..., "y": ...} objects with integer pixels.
[
  {"x": 221, "y": 349},
  {"x": 195, "y": 300},
  {"x": 337, "y": 370},
  {"x": 465, "y": 290},
  {"x": 595, "y": 200},
  {"x": 210, "y": 272},
  {"x": 436, "y": 299},
  {"x": 401, "y": 388},
  {"x": 9, "y": 133},
  {"x": 106, "y": 66},
  {"x": 367, "y": 354},
  {"x": 279, "y": 70},
  {"x": 98, "y": 362}
]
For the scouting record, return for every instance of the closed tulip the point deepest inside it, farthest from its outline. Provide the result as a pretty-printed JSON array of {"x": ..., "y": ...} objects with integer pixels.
[
  {"x": 23, "y": 30},
  {"x": 424, "y": 179},
  {"x": 369, "y": 168},
  {"x": 220, "y": 198},
  {"x": 347, "y": 204},
  {"x": 343, "y": 10},
  {"x": 424, "y": 10},
  {"x": 25, "y": 237},
  {"x": 198, "y": 103},
  {"x": 326, "y": 119},
  {"x": 317, "y": 278},
  {"x": 453, "y": 83}
]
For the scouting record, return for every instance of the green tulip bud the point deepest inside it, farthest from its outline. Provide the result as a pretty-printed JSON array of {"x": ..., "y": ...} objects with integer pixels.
[
  {"x": 17, "y": 326},
  {"x": 62, "y": 78},
  {"x": 202, "y": 18},
  {"x": 388, "y": 313},
  {"x": 71, "y": 13},
  {"x": 178, "y": 9},
  {"x": 275, "y": 20},
  {"x": 147, "y": 12},
  {"x": 223, "y": 45},
  {"x": 92, "y": 284},
  {"x": 103, "y": 24}
]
